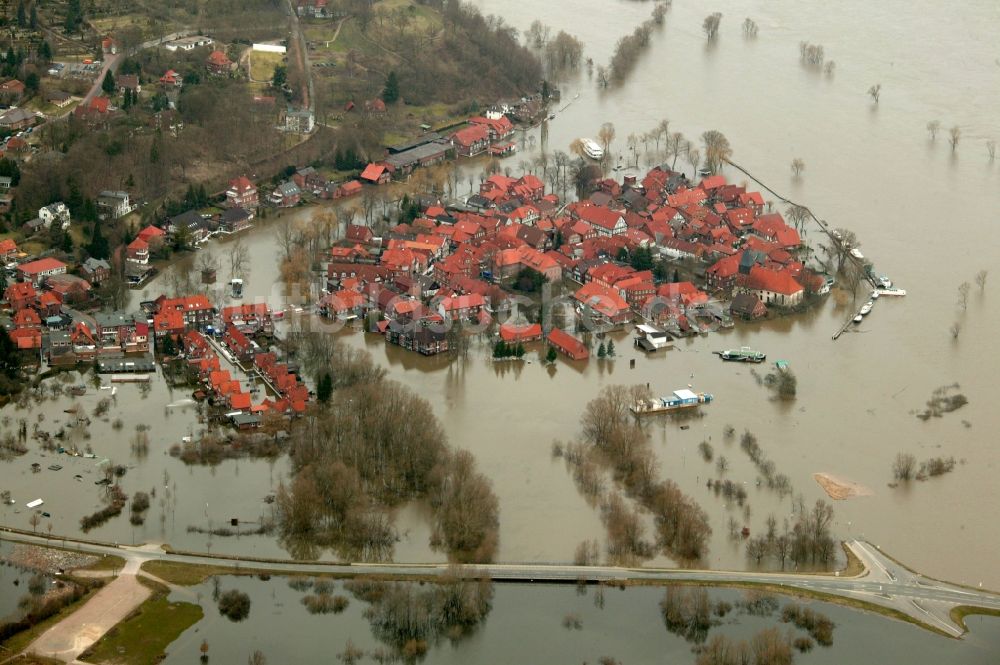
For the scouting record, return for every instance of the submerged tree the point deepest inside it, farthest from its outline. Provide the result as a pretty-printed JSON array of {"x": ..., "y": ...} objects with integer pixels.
[
  {"x": 749, "y": 27},
  {"x": 717, "y": 149},
  {"x": 711, "y": 25},
  {"x": 932, "y": 127},
  {"x": 875, "y": 91},
  {"x": 798, "y": 166},
  {"x": 954, "y": 134}
]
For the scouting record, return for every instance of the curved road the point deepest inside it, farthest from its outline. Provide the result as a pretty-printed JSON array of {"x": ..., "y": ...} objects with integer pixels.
[{"x": 883, "y": 583}]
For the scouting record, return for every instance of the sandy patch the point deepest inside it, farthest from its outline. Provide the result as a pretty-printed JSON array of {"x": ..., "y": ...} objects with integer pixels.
[{"x": 839, "y": 488}]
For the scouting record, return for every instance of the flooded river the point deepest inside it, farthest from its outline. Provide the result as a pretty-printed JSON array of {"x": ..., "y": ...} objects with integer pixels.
[
  {"x": 926, "y": 216},
  {"x": 525, "y": 626}
]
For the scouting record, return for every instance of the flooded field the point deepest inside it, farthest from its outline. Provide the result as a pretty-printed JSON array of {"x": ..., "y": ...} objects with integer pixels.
[
  {"x": 526, "y": 625},
  {"x": 925, "y": 215}
]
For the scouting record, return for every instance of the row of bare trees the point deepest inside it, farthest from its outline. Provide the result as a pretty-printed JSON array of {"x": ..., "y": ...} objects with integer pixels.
[
  {"x": 629, "y": 48},
  {"x": 617, "y": 442},
  {"x": 374, "y": 445}
]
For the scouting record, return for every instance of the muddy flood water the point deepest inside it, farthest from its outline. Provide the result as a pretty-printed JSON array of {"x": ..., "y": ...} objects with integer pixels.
[
  {"x": 526, "y": 626},
  {"x": 926, "y": 216}
]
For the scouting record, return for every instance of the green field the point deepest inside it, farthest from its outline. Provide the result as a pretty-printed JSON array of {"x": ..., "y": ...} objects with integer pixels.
[
  {"x": 263, "y": 64},
  {"x": 142, "y": 638}
]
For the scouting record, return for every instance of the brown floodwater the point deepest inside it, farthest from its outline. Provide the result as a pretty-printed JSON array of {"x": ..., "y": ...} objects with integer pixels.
[{"x": 926, "y": 216}]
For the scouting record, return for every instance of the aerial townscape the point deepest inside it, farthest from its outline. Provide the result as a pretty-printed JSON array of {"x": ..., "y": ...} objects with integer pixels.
[{"x": 470, "y": 331}]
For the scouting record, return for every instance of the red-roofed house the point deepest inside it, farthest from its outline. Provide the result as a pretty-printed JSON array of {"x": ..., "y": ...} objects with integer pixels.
[
  {"x": 772, "y": 227},
  {"x": 172, "y": 78},
  {"x": 377, "y": 174},
  {"x": 239, "y": 344},
  {"x": 461, "y": 307},
  {"x": 8, "y": 250},
  {"x": 137, "y": 252},
  {"x": 513, "y": 333},
  {"x": 605, "y": 222},
  {"x": 568, "y": 345},
  {"x": 219, "y": 63},
  {"x": 20, "y": 295},
  {"x": 606, "y": 305},
  {"x": 499, "y": 128},
  {"x": 26, "y": 339},
  {"x": 242, "y": 194},
  {"x": 472, "y": 140},
  {"x": 37, "y": 271},
  {"x": 356, "y": 233},
  {"x": 774, "y": 287}
]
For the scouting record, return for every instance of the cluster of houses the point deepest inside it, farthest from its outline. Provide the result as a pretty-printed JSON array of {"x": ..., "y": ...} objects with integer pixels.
[
  {"x": 288, "y": 394},
  {"x": 462, "y": 262}
]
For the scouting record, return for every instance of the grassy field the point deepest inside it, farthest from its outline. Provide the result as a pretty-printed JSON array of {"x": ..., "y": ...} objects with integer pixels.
[
  {"x": 107, "y": 562},
  {"x": 183, "y": 574},
  {"x": 263, "y": 64},
  {"x": 959, "y": 613},
  {"x": 142, "y": 638}
]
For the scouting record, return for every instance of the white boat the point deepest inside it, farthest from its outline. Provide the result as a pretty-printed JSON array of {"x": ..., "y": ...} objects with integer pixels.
[
  {"x": 866, "y": 308},
  {"x": 856, "y": 253},
  {"x": 592, "y": 149},
  {"x": 34, "y": 504},
  {"x": 875, "y": 294},
  {"x": 858, "y": 318}
]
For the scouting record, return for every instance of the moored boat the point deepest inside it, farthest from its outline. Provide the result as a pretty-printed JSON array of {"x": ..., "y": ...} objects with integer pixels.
[
  {"x": 744, "y": 354},
  {"x": 592, "y": 149},
  {"x": 866, "y": 308},
  {"x": 679, "y": 400}
]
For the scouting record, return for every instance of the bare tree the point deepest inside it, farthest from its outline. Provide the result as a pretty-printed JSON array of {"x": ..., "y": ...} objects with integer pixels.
[
  {"x": 963, "y": 295},
  {"x": 829, "y": 67},
  {"x": 932, "y": 127},
  {"x": 717, "y": 149},
  {"x": 955, "y": 329},
  {"x": 239, "y": 259},
  {"x": 257, "y": 658},
  {"x": 606, "y": 134},
  {"x": 991, "y": 149},
  {"x": 34, "y": 521},
  {"x": 749, "y": 28},
  {"x": 757, "y": 548},
  {"x": 875, "y": 92},
  {"x": 903, "y": 466},
  {"x": 954, "y": 134},
  {"x": 603, "y": 76},
  {"x": 981, "y": 279},
  {"x": 694, "y": 158},
  {"x": 711, "y": 25},
  {"x": 798, "y": 166}
]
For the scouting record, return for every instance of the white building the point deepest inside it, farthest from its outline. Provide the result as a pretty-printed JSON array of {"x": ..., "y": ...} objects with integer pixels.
[{"x": 55, "y": 212}]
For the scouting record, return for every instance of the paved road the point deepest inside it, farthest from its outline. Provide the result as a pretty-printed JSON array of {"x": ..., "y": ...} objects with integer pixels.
[
  {"x": 884, "y": 583},
  {"x": 73, "y": 635}
]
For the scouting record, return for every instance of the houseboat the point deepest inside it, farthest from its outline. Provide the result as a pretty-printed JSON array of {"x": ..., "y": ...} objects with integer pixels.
[
  {"x": 679, "y": 400},
  {"x": 592, "y": 149},
  {"x": 744, "y": 354},
  {"x": 892, "y": 292}
]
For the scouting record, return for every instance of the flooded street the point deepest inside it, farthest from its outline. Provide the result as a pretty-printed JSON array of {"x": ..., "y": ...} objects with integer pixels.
[
  {"x": 925, "y": 216},
  {"x": 525, "y": 626}
]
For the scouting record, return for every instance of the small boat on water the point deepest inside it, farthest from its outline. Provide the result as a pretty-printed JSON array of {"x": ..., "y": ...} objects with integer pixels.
[
  {"x": 679, "y": 400},
  {"x": 592, "y": 149},
  {"x": 744, "y": 354},
  {"x": 859, "y": 318},
  {"x": 866, "y": 308},
  {"x": 874, "y": 295}
]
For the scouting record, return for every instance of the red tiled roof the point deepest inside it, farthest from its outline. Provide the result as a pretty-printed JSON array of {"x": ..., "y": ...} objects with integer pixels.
[
  {"x": 41, "y": 265},
  {"x": 774, "y": 281}
]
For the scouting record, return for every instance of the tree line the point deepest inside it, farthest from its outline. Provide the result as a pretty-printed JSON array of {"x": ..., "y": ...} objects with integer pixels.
[
  {"x": 613, "y": 439},
  {"x": 374, "y": 445}
]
